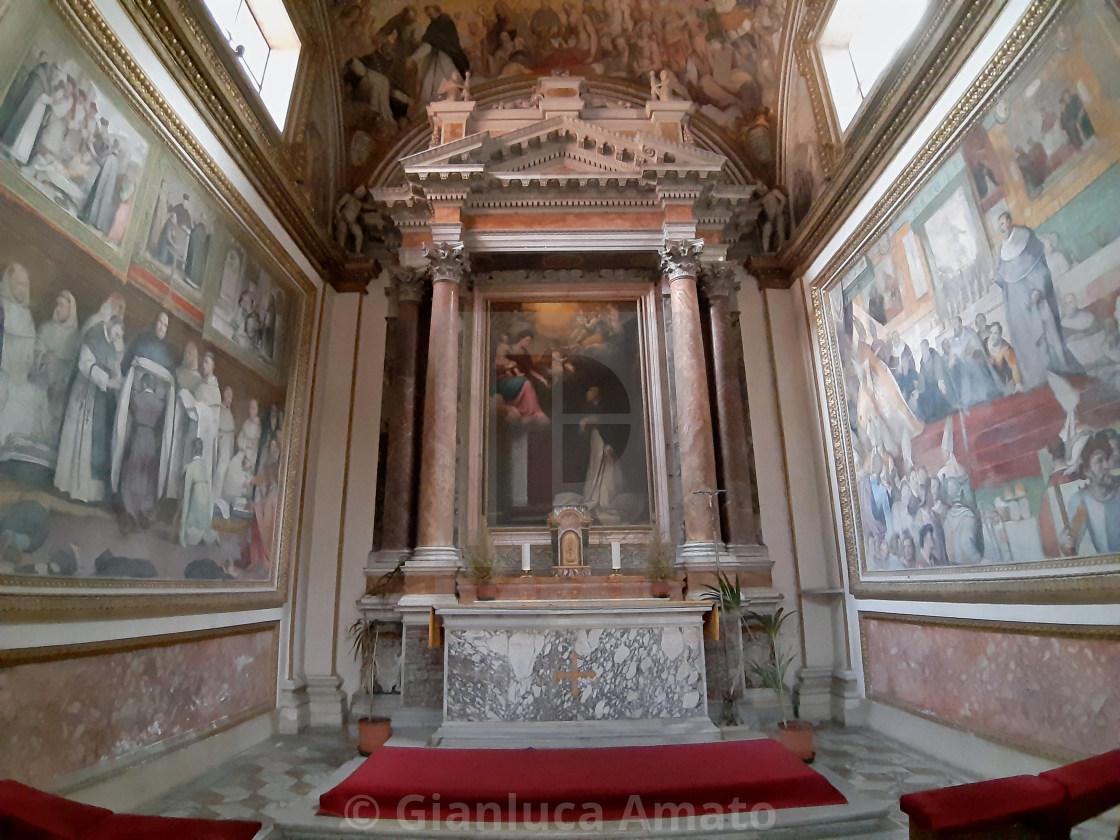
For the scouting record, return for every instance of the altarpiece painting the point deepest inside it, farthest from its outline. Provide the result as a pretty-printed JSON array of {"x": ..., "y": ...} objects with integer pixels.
[{"x": 567, "y": 417}]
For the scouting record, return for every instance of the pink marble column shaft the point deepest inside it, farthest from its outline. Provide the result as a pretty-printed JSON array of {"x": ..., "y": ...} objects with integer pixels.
[
  {"x": 436, "y": 527},
  {"x": 734, "y": 425},
  {"x": 680, "y": 261},
  {"x": 398, "y": 525}
]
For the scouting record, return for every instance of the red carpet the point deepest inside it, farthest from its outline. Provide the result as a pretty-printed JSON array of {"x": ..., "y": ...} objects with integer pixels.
[{"x": 562, "y": 785}]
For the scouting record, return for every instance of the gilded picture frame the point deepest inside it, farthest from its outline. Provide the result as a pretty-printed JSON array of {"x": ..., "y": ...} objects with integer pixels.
[
  {"x": 966, "y": 371},
  {"x": 238, "y": 553}
]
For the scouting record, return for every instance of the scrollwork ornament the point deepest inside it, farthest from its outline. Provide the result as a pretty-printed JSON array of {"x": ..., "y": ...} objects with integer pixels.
[
  {"x": 447, "y": 261},
  {"x": 681, "y": 258}
]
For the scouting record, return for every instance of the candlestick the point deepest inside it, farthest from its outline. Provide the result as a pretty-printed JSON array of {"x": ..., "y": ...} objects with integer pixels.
[
  {"x": 616, "y": 556},
  {"x": 525, "y": 558}
]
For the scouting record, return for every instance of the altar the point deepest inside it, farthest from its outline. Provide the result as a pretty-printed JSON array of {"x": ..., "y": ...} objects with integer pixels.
[{"x": 568, "y": 673}]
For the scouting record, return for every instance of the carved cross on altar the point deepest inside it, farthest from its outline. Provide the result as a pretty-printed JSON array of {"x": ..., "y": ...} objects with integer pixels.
[{"x": 575, "y": 675}]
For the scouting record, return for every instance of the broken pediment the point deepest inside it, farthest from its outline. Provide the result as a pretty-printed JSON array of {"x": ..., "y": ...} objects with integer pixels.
[{"x": 563, "y": 148}]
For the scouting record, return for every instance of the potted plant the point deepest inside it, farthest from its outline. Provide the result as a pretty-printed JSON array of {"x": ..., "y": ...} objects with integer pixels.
[
  {"x": 795, "y": 735},
  {"x": 373, "y": 730},
  {"x": 727, "y": 596},
  {"x": 482, "y": 562},
  {"x": 659, "y": 564}
]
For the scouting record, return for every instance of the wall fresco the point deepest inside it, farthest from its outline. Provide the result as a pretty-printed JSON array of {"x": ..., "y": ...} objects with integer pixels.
[{"x": 979, "y": 338}]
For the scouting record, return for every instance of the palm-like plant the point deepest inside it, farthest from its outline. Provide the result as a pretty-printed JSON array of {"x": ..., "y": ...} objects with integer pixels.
[
  {"x": 727, "y": 596},
  {"x": 771, "y": 673}
]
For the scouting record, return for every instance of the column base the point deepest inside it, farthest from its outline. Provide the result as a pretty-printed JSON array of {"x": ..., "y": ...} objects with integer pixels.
[
  {"x": 849, "y": 707},
  {"x": 703, "y": 555},
  {"x": 434, "y": 558},
  {"x": 813, "y": 689},
  {"x": 326, "y": 700},
  {"x": 293, "y": 712}
]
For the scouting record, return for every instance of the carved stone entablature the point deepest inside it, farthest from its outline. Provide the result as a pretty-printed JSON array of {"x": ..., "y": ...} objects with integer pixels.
[
  {"x": 681, "y": 258},
  {"x": 447, "y": 261},
  {"x": 556, "y": 276},
  {"x": 719, "y": 279}
]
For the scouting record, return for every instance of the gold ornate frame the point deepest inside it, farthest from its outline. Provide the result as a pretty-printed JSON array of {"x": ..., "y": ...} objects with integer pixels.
[
  {"x": 1078, "y": 580},
  {"x": 25, "y": 597}
]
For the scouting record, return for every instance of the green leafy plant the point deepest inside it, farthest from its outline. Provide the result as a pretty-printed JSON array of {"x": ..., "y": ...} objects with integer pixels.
[
  {"x": 771, "y": 672},
  {"x": 727, "y": 595},
  {"x": 659, "y": 557},
  {"x": 482, "y": 556},
  {"x": 363, "y": 635}
]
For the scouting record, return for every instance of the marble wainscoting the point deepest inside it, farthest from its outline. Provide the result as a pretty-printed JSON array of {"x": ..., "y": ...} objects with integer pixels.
[{"x": 585, "y": 671}]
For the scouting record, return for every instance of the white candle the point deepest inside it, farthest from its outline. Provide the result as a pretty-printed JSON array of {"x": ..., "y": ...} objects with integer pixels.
[
  {"x": 525, "y": 558},
  {"x": 616, "y": 556}
]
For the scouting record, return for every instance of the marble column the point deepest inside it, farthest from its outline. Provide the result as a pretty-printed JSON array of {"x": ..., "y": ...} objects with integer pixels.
[
  {"x": 737, "y": 478},
  {"x": 680, "y": 261},
  {"x": 435, "y": 540},
  {"x": 398, "y": 515}
]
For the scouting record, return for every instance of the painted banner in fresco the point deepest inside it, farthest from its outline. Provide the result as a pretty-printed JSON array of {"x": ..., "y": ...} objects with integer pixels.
[
  {"x": 979, "y": 339},
  {"x": 567, "y": 418}
]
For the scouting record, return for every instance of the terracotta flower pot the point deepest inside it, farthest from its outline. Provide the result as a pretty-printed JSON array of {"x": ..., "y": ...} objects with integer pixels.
[
  {"x": 487, "y": 591},
  {"x": 372, "y": 733},
  {"x": 797, "y": 737}
]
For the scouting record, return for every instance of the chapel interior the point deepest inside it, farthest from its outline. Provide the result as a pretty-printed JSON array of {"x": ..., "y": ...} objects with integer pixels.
[{"x": 507, "y": 370}]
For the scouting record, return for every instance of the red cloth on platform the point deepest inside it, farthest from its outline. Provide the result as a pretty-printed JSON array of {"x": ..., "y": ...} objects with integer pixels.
[
  {"x": 30, "y": 814},
  {"x": 412, "y": 783},
  {"x": 140, "y": 827},
  {"x": 1092, "y": 785},
  {"x": 990, "y": 804}
]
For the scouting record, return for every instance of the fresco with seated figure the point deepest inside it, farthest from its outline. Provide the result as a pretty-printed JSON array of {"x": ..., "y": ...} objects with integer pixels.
[{"x": 983, "y": 407}]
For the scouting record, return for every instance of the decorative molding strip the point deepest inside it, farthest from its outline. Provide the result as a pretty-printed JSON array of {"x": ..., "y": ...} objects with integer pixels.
[{"x": 55, "y": 653}]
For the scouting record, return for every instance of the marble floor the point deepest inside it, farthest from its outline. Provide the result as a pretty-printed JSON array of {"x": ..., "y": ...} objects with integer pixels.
[{"x": 289, "y": 767}]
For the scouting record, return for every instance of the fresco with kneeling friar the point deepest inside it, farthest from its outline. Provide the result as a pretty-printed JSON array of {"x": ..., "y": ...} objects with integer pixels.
[
  {"x": 567, "y": 417},
  {"x": 978, "y": 337},
  {"x": 137, "y": 439}
]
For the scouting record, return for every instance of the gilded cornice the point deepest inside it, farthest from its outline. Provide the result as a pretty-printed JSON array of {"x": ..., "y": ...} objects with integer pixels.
[
  {"x": 890, "y": 114},
  {"x": 230, "y": 109}
]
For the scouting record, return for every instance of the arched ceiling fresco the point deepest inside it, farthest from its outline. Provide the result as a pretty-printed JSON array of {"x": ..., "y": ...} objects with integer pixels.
[{"x": 398, "y": 56}]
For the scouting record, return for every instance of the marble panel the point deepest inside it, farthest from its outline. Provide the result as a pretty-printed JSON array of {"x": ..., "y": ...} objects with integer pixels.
[
  {"x": 511, "y": 674},
  {"x": 1054, "y": 690},
  {"x": 61, "y": 716}
]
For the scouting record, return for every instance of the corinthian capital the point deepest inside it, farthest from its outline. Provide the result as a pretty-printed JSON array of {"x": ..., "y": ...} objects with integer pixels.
[
  {"x": 719, "y": 280},
  {"x": 681, "y": 258},
  {"x": 447, "y": 261},
  {"x": 408, "y": 284}
]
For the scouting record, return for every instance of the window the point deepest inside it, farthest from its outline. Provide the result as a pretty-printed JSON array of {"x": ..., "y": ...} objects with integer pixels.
[
  {"x": 261, "y": 35},
  {"x": 859, "y": 42}
]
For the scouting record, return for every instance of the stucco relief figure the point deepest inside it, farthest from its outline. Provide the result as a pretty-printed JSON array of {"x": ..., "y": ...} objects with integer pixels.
[
  {"x": 84, "y": 450},
  {"x": 23, "y": 400},
  {"x": 1033, "y": 316}
]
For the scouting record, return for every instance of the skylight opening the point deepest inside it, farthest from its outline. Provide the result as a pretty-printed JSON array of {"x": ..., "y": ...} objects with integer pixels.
[
  {"x": 859, "y": 42},
  {"x": 266, "y": 45}
]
